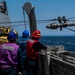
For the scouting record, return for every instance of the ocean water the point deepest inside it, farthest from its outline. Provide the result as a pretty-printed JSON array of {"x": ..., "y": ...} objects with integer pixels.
[{"x": 67, "y": 41}]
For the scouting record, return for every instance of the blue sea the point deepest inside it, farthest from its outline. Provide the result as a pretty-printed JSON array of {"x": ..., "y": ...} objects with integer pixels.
[{"x": 67, "y": 41}]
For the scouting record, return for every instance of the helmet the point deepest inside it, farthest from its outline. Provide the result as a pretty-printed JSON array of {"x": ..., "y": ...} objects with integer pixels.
[
  {"x": 36, "y": 34},
  {"x": 15, "y": 33},
  {"x": 11, "y": 35},
  {"x": 25, "y": 33},
  {"x": 6, "y": 30}
]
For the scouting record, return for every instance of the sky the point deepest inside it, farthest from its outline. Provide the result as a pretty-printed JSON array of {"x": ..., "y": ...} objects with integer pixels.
[{"x": 44, "y": 9}]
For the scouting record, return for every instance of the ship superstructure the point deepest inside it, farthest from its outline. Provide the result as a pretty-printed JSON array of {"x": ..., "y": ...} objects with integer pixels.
[{"x": 4, "y": 17}]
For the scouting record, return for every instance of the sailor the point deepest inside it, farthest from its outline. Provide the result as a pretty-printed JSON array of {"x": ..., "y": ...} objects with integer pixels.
[
  {"x": 11, "y": 57},
  {"x": 22, "y": 43},
  {"x": 32, "y": 55},
  {"x": 3, "y": 37}
]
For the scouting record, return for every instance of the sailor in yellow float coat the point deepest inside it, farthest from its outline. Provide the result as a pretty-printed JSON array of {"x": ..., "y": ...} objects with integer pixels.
[{"x": 3, "y": 38}]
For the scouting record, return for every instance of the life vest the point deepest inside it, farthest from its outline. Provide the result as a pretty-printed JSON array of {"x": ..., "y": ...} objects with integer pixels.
[
  {"x": 3, "y": 39},
  {"x": 31, "y": 54},
  {"x": 8, "y": 55}
]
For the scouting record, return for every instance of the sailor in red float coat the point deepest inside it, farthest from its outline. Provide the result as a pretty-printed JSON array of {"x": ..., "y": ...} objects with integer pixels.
[{"x": 31, "y": 54}]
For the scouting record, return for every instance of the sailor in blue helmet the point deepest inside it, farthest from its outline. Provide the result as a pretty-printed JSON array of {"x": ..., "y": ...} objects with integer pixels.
[
  {"x": 23, "y": 40},
  {"x": 22, "y": 43},
  {"x": 11, "y": 61}
]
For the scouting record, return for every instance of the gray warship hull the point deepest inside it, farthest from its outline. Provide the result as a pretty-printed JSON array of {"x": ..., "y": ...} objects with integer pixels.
[{"x": 60, "y": 61}]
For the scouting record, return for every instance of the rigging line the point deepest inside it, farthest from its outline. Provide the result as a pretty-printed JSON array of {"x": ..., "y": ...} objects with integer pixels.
[
  {"x": 21, "y": 24},
  {"x": 22, "y": 21},
  {"x": 54, "y": 19},
  {"x": 28, "y": 22},
  {"x": 70, "y": 29},
  {"x": 71, "y": 18},
  {"x": 43, "y": 22},
  {"x": 16, "y": 25},
  {"x": 24, "y": 18},
  {"x": 48, "y": 20},
  {"x": 13, "y": 22},
  {"x": 36, "y": 20}
]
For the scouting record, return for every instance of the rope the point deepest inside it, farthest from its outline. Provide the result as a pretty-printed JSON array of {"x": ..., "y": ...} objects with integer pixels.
[
  {"x": 24, "y": 19},
  {"x": 70, "y": 29}
]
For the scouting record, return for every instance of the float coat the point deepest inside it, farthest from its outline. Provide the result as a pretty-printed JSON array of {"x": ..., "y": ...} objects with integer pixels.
[
  {"x": 31, "y": 54},
  {"x": 8, "y": 55}
]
